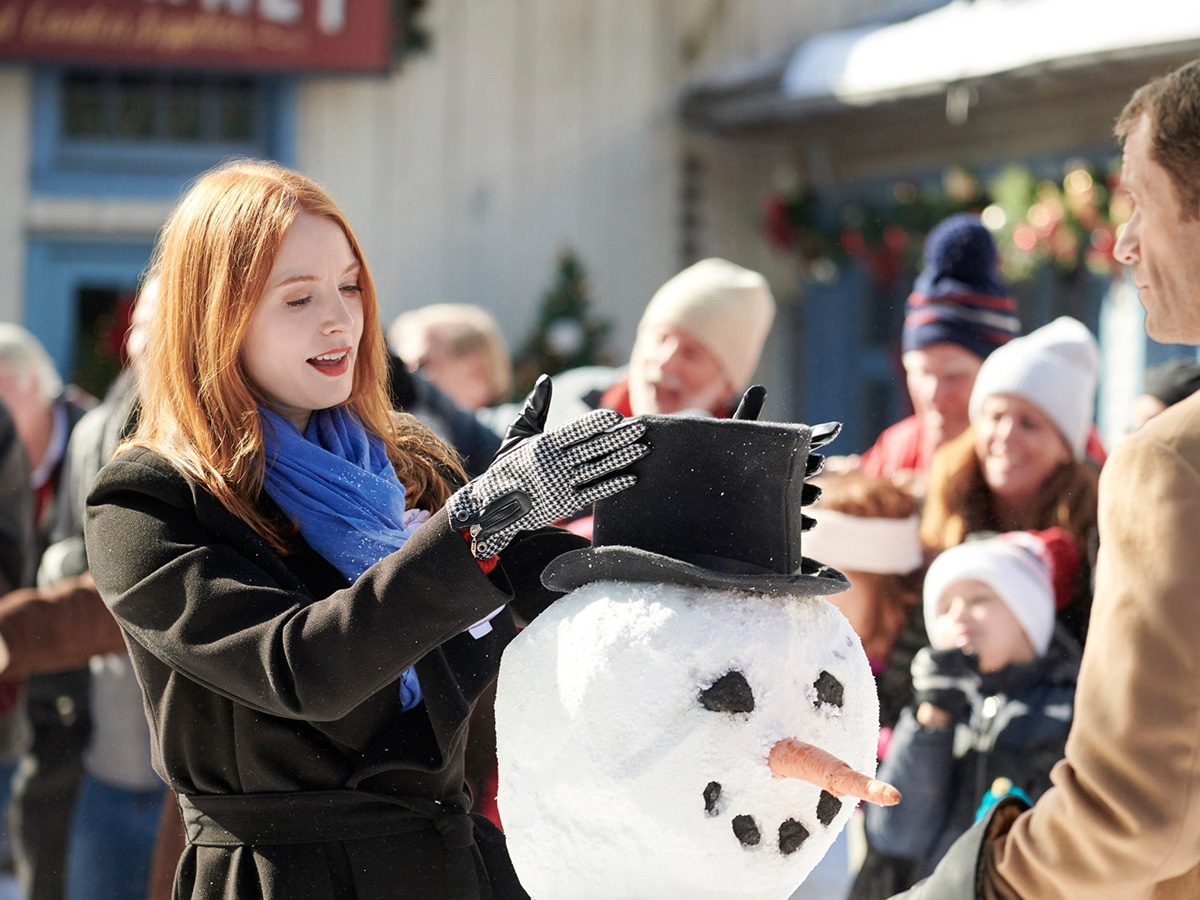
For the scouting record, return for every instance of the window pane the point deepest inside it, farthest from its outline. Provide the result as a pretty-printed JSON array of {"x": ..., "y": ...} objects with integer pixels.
[
  {"x": 83, "y": 106},
  {"x": 135, "y": 107},
  {"x": 236, "y": 110},
  {"x": 185, "y": 110}
]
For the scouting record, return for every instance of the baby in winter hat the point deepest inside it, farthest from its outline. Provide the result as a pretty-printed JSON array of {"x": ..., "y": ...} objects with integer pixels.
[
  {"x": 996, "y": 597},
  {"x": 992, "y": 696},
  {"x": 1057, "y": 368}
]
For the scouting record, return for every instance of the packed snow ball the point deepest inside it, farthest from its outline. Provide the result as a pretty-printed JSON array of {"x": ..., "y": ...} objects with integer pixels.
[{"x": 633, "y": 727}]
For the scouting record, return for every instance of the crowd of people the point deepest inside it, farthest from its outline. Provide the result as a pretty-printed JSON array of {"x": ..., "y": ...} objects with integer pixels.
[{"x": 204, "y": 673}]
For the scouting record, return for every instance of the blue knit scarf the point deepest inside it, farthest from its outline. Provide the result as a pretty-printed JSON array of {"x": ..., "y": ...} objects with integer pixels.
[{"x": 336, "y": 483}]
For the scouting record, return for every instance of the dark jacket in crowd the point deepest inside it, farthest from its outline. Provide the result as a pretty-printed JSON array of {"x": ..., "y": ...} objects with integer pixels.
[
  {"x": 1016, "y": 729},
  {"x": 16, "y": 508},
  {"x": 475, "y": 443},
  {"x": 272, "y": 688}
]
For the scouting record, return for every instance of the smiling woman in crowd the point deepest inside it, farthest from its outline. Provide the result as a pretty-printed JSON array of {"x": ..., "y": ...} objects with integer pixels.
[{"x": 1022, "y": 464}]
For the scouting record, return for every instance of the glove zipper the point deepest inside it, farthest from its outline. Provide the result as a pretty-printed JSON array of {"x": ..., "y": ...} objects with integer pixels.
[{"x": 497, "y": 515}]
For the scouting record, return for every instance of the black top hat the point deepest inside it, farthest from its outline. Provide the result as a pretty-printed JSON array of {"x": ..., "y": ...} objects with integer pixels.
[{"x": 716, "y": 504}]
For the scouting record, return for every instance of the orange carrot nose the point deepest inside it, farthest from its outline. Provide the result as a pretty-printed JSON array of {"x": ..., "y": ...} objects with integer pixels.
[{"x": 790, "y": 758}]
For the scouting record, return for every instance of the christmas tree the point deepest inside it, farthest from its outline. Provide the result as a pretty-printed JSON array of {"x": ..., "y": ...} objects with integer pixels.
[{"x": 565, "y": 335}]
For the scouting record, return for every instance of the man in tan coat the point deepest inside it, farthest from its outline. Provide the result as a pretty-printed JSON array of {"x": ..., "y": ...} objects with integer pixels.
[{"x": 1122, "y": 821}]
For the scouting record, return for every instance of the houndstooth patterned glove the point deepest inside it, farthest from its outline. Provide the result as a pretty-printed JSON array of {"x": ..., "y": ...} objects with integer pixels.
[{"x": 546, "y": 477}]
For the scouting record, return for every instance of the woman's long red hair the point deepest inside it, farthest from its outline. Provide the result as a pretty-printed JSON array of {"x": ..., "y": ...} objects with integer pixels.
[{"x": 199, "y": 408}]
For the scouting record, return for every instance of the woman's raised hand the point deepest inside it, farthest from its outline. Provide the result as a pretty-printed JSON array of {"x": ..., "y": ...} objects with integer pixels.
[{"x": 537, "y": 477}]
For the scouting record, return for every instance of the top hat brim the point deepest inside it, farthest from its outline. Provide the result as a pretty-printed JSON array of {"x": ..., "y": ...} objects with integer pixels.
[{"x": 576, "y": 568}]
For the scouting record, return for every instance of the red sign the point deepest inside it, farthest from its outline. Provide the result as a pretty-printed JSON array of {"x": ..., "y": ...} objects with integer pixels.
[{"x": 293, "y": 35}]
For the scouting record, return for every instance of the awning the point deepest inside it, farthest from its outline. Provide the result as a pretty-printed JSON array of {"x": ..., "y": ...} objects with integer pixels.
[{"x": 961, "y": 46}]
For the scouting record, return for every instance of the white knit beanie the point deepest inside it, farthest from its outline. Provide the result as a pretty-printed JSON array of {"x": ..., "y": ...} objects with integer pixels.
[
  {"x": 1011, "y": 565},
  {"x": 1056, "y": 367},
  {"x": 725, "y": 307}
]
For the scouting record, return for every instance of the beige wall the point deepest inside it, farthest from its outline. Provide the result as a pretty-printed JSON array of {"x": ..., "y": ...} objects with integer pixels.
[
  {"x": 538, "y": 124},
  {"x": 15, "y": 105}
]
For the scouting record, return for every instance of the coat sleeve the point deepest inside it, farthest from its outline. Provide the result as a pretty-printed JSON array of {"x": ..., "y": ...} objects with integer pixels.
[
  {"x": 55, "y": 628},
  {"x": 918, "y": 764},
  {"x": 207, "y": 604},
  {"x": 1124, "y": 811}
]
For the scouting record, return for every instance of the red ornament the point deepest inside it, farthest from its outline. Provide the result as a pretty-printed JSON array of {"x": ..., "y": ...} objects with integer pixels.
[
  {"x": 853, "y": 243},
  {"x": 885, "y": 266},
  {"x": 895, "y": 238},
  {"x": 779, "y": 230},
  {"x": 113, "y": 338}
]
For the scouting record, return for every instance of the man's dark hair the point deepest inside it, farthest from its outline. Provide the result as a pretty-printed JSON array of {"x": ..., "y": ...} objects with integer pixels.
[{"x": 1172, "y": 103}]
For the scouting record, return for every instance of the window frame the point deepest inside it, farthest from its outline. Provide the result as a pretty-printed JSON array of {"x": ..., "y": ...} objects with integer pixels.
[{"x": 154, "y": 168}]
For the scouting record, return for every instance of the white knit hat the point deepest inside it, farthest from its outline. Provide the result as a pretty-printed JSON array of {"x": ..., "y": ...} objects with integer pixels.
[
  {"x": 1056, "y": 367},
  {"x": 1013, "y": 566},
  {"x": 725, "y": 307}
]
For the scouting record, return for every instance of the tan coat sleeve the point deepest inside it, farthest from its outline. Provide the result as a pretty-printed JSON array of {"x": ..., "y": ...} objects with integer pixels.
[
  {"x": 54, "y": 629},
  {"x": 1123, "y": 818}
]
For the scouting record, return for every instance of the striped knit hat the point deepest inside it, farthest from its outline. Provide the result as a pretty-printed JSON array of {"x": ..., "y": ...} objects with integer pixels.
[{"x": 958, "y": 298}]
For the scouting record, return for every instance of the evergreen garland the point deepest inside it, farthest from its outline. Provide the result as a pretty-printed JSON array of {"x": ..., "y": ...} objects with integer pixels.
[{"x": 1071, "y": 223}]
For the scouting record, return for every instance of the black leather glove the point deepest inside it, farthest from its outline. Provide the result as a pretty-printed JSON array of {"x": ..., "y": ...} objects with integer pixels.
[
  {"x": 752, "y": 403},
  {"x": 947, "y": 679},
  {"x": 538, "y": 478},
  {"x": 532, "y": 420}
]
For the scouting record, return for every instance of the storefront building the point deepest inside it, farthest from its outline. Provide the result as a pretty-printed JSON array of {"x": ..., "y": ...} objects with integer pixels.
[
  {"x": 897, "y": 116},
  {"x": 111, "y": 107}
]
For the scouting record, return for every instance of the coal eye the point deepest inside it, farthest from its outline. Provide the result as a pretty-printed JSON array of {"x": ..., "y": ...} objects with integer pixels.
[
  {"x": 829, "y": 690},
  {"x": 729, "y": 693}
]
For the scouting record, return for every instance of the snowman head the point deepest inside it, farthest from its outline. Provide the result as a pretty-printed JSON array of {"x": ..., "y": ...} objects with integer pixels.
[{"x": 635, "y": 723}]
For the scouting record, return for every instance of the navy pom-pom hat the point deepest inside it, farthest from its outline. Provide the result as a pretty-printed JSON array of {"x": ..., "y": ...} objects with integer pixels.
[{"x": 958, "y": 298}]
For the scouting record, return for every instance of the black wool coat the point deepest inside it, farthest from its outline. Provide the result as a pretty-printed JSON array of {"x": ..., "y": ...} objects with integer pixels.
[{"x": 269, "y": 675}]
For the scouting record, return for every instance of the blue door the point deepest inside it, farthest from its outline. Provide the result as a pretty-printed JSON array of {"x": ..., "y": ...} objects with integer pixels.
[{"x": 77, "y": 292}]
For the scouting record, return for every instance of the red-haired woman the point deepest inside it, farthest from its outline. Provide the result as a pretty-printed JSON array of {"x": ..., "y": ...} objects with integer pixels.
[{"x": 304, "y": 600}]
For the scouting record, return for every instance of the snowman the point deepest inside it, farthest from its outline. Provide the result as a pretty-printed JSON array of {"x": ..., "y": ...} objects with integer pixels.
[{"x": 692, "y": 720}]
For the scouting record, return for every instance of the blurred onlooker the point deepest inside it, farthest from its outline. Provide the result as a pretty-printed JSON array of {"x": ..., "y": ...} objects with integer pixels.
[
  {"x": 43, "y": 409},
  {"x": 16, "y": 519},
  {"x": 17, "y": 561},
  {"x": 992, "y": 694},
  {"x": 56, "y": 705},
  {"x": 1165, "y": 385},
  {"x": 475, "y": 442},
  {"x": 697, "y": 347},
  {"x": 698, "y": 342},
  {"x": 459, "y": 348},
  {"x": 1022, "y": 464},
  {"x": 959, "y": 311},
  {"x": 116, "y": 817},
  {"x": 868, "y": 528}
]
